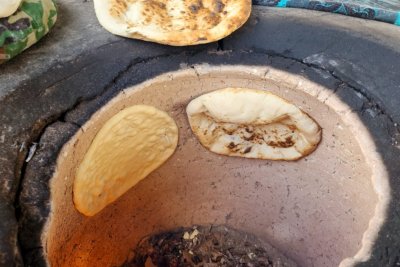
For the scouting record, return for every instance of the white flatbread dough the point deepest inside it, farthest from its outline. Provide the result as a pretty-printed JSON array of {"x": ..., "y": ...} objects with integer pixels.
[
  {"x": 127, "y": 148},
  {"x": 252, "y": 124},
  {"x": 173, "y": 22},
  {"x": 8, "y": 7}
]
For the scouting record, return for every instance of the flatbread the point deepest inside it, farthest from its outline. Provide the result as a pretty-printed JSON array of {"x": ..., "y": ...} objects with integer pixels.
[
  {"x": 252, "y": 124},
  {"x": 173, "y": 22},
  {"x": 8, "y": 7},
  {"x": 127, "y": 148}
]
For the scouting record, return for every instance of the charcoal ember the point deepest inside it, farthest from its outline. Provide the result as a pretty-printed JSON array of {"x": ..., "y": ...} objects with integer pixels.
[{"x": 206, "y": 246}]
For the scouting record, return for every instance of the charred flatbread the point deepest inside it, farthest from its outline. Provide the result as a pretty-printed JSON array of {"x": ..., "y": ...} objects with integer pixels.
[
  {"x": 252, "y": 124},
  {"x": 173, "y": 22}
]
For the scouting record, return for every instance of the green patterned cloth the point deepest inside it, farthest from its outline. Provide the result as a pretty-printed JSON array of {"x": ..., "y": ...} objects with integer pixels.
[{"x": 32, "y": 20}]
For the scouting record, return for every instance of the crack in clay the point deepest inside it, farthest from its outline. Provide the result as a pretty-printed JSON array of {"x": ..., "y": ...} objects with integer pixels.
[
  {"x": 68, "y": 76},
  {"x": 21, "y": 163},
  {"x": 220, "y": 46}
]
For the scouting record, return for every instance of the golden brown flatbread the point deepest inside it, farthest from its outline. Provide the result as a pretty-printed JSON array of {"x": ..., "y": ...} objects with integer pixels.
[
  {"x": 173, "y": 22},
  {"x": 252, "y": 124},
  {"x": 127, "y": 148}
]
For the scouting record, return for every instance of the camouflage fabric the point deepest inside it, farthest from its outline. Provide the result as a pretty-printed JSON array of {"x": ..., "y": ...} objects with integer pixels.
[{"x": 32, "y": 20}]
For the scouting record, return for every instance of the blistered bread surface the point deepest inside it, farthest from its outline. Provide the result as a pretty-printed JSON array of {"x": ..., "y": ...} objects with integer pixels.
[
  {"x": 173, "y": 22},
  {"x": 252, "y": 124}
]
